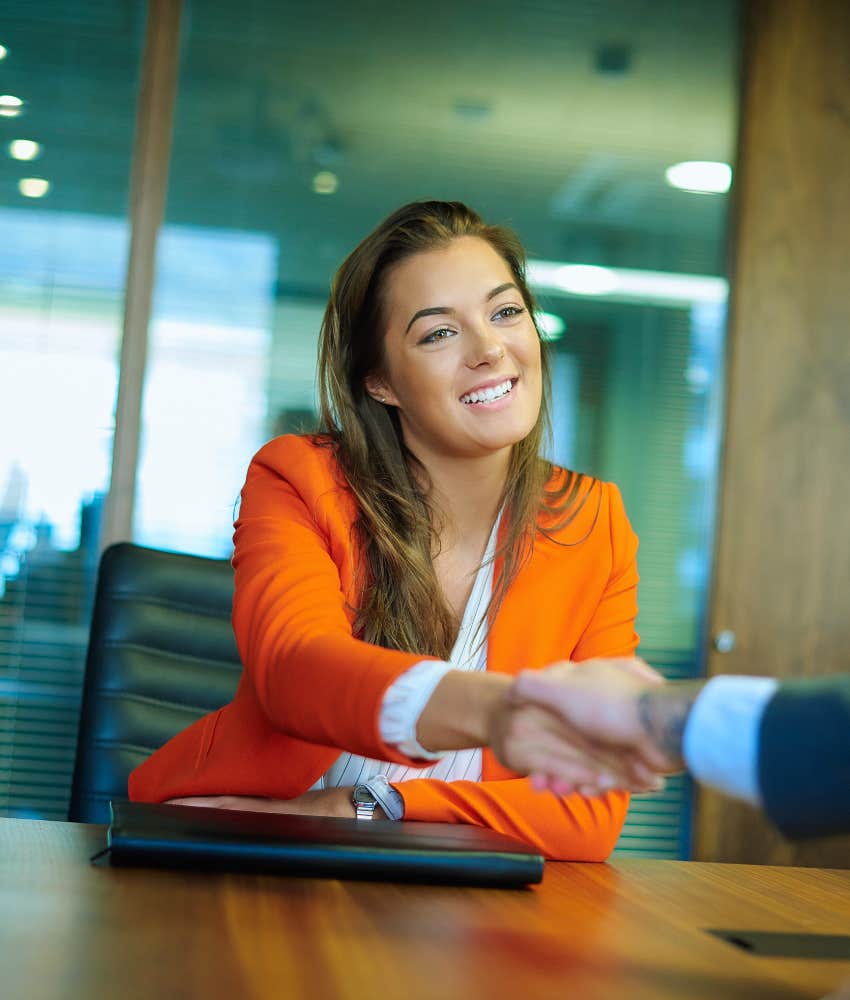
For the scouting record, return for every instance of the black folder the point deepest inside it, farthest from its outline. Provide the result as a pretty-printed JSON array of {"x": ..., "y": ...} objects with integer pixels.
[{"x": 164, "y": 836}]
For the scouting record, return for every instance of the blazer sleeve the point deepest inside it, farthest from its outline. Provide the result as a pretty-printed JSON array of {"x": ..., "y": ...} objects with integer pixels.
[
  {"x": 313, "y": 679},
  {"x": 562, "y": 828},
  {"x": 568, "y": 828},
  {"x": 611, "y": 629},
  {"x": 804, "y": 757}
]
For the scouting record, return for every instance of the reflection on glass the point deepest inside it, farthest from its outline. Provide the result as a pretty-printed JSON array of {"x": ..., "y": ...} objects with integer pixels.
[{"x": 205, "y": 403}]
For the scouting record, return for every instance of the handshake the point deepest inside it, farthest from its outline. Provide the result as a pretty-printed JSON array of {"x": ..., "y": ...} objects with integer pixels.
[{"x": 593, "y": 726}]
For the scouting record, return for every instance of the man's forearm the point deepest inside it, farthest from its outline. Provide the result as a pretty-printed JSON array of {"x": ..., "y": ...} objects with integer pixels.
[{"x": 663, "y": 712}]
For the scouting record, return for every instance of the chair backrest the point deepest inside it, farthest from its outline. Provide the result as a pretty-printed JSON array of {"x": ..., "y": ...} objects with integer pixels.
[{"x": 161, "y": 654}]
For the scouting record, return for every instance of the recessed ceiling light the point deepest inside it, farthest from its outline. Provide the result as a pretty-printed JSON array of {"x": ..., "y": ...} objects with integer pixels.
[
  {"x": 325, "y": 182},
  {"x": 33, "y": 187},
  {"x": 10, "y": 106},
  {"x": 3, "y": 52},
  {"x": 551, "y": 327},
  {"x": 24, "y": 149},
  {"x": 700, "y": 176}
]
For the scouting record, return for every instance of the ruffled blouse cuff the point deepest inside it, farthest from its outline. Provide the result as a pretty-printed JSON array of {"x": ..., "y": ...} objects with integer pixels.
[{"x": 403, "y": 703}]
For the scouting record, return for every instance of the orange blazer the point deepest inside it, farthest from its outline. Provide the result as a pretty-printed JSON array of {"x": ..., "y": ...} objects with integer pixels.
[{"x": 310, "y": 689}]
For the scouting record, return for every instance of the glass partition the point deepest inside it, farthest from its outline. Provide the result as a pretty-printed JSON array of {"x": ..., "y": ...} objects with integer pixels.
[
  {"x": 298, "y": 128},
  {"x": 68, "y": 82}
]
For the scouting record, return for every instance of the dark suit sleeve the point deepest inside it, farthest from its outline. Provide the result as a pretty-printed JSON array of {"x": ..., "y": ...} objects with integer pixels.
[{"x": 804, "y": 757}]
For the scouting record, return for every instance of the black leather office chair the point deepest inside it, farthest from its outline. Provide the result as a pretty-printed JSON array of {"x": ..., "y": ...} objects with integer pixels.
[{"x": 161, "y": 654}]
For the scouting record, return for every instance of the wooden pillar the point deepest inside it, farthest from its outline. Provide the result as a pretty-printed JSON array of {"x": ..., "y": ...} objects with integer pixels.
[
  {"x": 782, "y": 569},
  {"x": 148, "y": 184}
]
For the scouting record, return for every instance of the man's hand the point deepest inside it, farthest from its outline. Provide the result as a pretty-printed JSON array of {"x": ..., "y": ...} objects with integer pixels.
[
  {"x": 533, "y": 740},
  {"x": 534, "y": 732},
  {"x": 619, "y": 718}
]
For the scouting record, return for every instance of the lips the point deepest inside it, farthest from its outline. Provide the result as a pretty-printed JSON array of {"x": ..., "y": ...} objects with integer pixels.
[{"x": 489, "y": 392}]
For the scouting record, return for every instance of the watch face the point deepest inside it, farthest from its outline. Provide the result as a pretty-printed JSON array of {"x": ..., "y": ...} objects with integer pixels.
[{"x": 362, "y": 796}]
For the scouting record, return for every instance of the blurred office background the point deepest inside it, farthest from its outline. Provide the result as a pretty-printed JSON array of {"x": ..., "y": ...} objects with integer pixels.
[{"x": 296, "y": 128}]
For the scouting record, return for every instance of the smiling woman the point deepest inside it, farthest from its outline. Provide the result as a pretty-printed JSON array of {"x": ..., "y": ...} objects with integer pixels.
[
  {"x": 394, "y": 572},
  {"x": 465, "y": 376}
]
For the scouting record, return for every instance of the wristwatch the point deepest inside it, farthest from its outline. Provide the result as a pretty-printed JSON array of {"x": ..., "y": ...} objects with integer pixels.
[{"x": 377, "y": 791}]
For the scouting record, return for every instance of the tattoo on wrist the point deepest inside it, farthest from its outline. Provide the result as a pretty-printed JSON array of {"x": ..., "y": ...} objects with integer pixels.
[{"x": 663, "y": 713}]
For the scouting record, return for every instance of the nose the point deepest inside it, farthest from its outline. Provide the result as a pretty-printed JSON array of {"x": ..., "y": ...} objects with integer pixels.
[{"x": 485, "y": 348}]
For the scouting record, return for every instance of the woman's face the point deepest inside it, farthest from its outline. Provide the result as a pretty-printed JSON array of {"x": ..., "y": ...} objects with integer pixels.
[{"x": 461, "y": 353}]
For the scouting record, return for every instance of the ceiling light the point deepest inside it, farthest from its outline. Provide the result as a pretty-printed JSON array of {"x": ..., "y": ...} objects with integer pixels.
[
  {"x": 585, "y": 279},
  {"x": 33, "y": 187},
  {"x": 3, "y": 52},
  {"x": 24, "y": 149},
  {"x": 624, "y": 284},
  {"x": 700, "y": 176},
  {"x": 551, "y": 327},
  {"x": 325, "y": 182},
  {"x": 10, "y": 107}
]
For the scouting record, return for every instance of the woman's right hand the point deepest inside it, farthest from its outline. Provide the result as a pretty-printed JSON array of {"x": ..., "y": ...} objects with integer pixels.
[
  {"x": 543, "y": 727},
  {"x": 576, "y": 727},
  {"x": 530, "y": 739}
]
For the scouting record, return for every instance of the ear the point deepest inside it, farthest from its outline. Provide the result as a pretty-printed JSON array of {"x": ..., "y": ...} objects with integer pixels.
[{"x": 379, "y": 390}]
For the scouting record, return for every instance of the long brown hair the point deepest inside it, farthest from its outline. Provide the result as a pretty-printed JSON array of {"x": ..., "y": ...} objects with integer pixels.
[{"x": 402, "y": 604}]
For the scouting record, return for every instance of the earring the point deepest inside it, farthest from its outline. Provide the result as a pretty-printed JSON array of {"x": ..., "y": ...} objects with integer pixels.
[{"x": 383, "y": 399}]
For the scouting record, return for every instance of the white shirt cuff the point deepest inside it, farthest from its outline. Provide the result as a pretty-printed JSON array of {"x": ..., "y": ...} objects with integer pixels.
[
  {"x": 403, "y": 703},
  {"x": 721, "y": 739}
]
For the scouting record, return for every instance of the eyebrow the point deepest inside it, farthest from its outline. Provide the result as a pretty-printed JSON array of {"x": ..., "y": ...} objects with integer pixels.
[{"x": 448, "y": 311}]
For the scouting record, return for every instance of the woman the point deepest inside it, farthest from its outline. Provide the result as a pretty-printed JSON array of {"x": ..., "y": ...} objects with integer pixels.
[{"x": 394, "y": 573}]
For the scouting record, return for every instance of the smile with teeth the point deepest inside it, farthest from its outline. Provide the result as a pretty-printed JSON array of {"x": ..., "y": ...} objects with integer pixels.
[{"x": 490, "y": 393}]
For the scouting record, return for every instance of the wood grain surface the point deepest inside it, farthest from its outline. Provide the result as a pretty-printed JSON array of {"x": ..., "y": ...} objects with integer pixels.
[
  {"x": 782, "y": 569},
  {"x": 631, "y": 929}
]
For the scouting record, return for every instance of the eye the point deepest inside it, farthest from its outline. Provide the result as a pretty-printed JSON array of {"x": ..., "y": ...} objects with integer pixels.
[
  {"x": 436, "y": 335},
  {"x": 508, "y": 312}
]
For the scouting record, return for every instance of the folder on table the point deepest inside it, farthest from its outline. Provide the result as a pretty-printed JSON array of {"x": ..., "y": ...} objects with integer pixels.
[{"x": 165, "y": 836}]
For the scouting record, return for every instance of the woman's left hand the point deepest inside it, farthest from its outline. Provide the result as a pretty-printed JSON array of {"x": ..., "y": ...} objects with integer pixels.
[{"x": 327, "y": 802}]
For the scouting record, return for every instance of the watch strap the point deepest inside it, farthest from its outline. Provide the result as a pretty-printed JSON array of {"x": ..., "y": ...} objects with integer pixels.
[
  {"x": 390, "y": 800},
  {"x": 377, "y": 791},
  {"x": 365, "y": 810}
]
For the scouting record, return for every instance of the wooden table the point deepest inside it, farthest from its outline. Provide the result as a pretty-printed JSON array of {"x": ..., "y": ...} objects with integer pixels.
[{"x": 628, "y": 930}]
